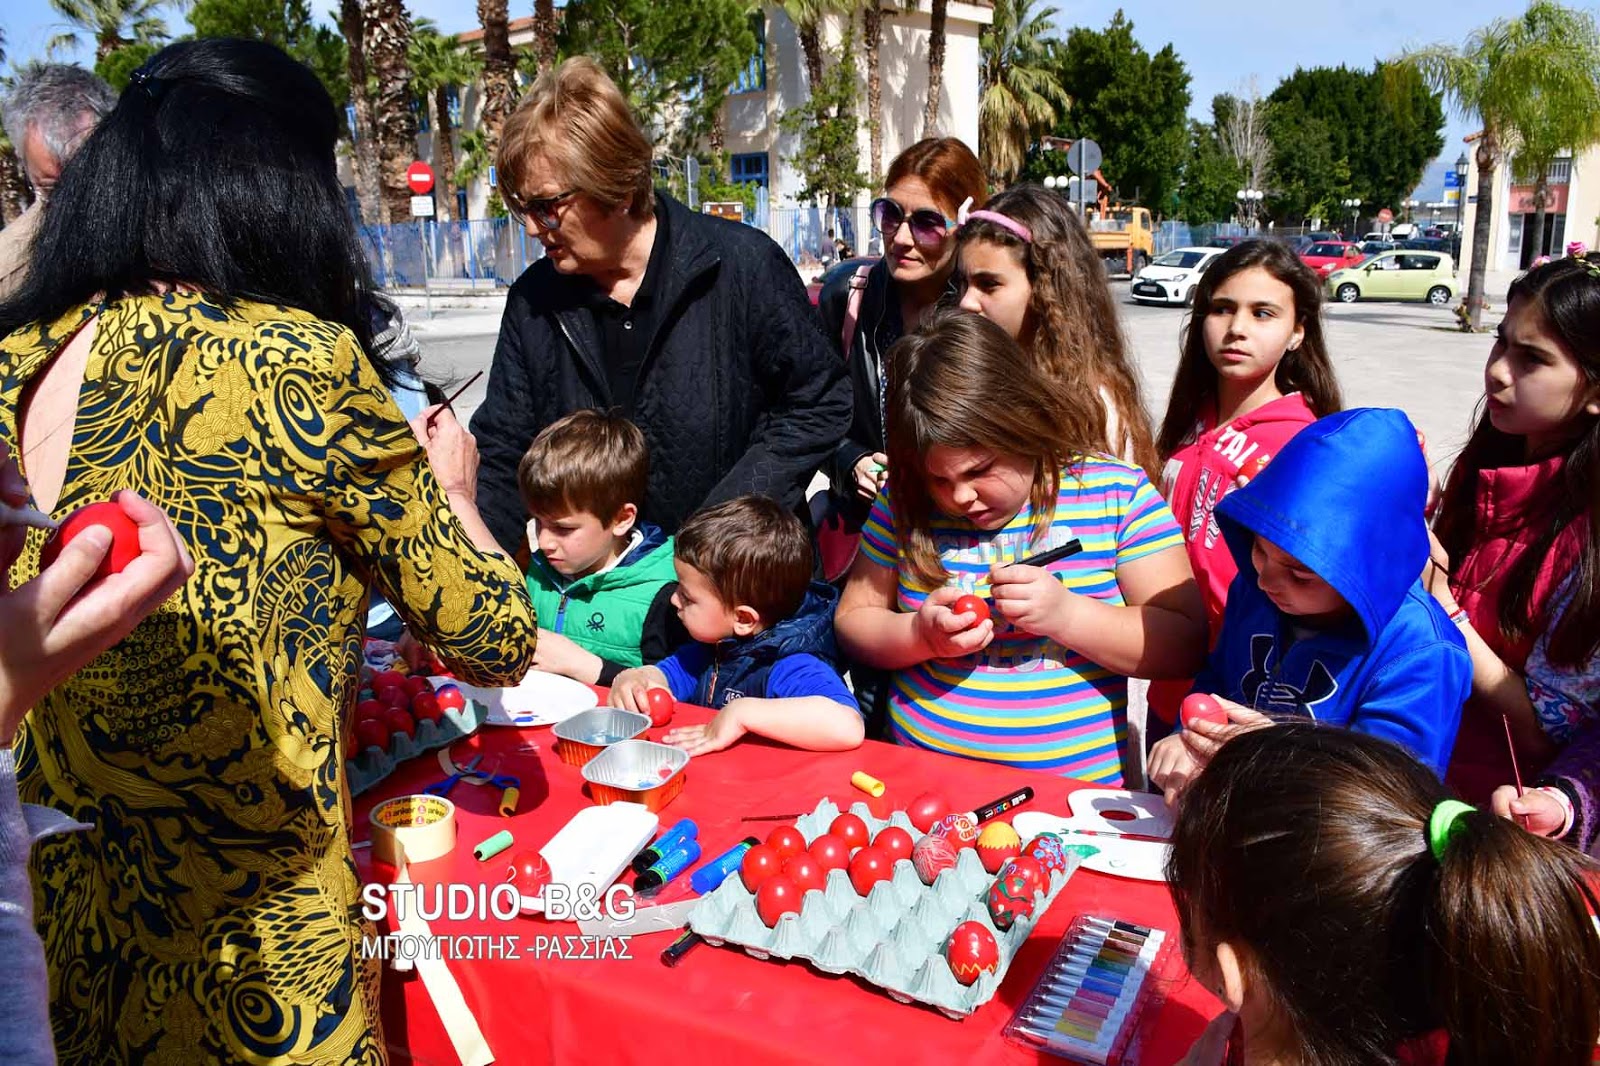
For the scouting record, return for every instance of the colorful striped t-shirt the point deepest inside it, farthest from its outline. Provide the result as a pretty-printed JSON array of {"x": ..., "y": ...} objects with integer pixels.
[{"x": 1026, "y": 700}]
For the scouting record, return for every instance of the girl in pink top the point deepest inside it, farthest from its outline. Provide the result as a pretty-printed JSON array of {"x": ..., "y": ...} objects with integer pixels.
[{"x": 1254, "y": 371}]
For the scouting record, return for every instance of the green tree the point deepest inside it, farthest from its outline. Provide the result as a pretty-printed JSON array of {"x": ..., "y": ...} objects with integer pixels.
[
  {"x": 110, "y": 23},
  {"x": 439, "y": 64},
  {"x": 1502, "y": 76},
  {"x": 1309, "y": 175},
  {"x": 1546, "y": 131},
  {"x": 116, "y": 67},
  {"x": 1020, "y": 96},
  {"x": 1133, "y": 104},
  {"x": 1381, "y": 128},
  {"x": 674, "y": 61},
  {"x": 829, "y": 158},
  {"x": 1210, "y": 175},
  {"x": 285, "y": 23}
]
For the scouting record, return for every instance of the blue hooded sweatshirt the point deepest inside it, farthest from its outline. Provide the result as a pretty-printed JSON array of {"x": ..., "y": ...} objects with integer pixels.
[
  {"x": 1345, "y": 497},
  {"x": 794, "y": 658}
]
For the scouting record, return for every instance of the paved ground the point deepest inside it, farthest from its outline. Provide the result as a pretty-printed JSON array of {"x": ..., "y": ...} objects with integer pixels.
[{"x": 1387, "y": 354}]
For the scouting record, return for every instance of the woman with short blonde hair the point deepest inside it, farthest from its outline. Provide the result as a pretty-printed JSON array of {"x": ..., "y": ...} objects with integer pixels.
[{"x": 697, "y": 328}]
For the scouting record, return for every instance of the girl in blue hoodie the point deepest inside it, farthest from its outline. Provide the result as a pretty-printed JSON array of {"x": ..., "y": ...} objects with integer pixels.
[{"x": 1327, "y": 619}]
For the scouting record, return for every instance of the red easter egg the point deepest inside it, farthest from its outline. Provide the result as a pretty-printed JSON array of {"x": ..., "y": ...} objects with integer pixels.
[
  {"x": 971, "y": 952},
  {"x": 396, "y": 697},
  {"x": 830, "y": 852},
  {"x": 352, "y": 744},
  {"x": 1028, "y": 868},
  {"x": 124, "y": 537},
  {"x": 927, "y": 809},
  {"x": 417, "y": 684},
  {"x": 374, "y": 709},
  {"x": 806, "y": 873},
  {"x": 786, "y": 840},
  {"x": 1255, "y": 466},
  {"x": 528, "y": 872},
  {"x": 779, "y": 896},
  {"x": 372, "y": 733},
  {"x": 400, "y": 722},
  {"x": 870, "y": 865},
  {"x": 425, "y": 707},
  {"x": 895, "y": 842},
  {"x": 1198, "y": 707},
  {"x": 758, "y": 865},
  {"x": 660, "y": 704},
  {"x": 450, "y": 698},
  {"x": 385, "y": 679},
  {"x": 850, "y": 829},
  {"x": 972, "y": 605}
]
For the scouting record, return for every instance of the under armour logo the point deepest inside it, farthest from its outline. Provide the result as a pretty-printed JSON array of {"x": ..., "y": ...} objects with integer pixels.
[
  {"x": 1266, "y": 693},
  {"x": 597, "y": 623}
]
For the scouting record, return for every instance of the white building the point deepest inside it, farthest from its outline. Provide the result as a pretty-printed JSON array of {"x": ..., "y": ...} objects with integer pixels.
[{"x": 1572, "y": 214}]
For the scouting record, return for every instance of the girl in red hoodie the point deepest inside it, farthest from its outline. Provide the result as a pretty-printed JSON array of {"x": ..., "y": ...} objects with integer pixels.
[
  {"x": 1518, "y": 521},
  {"x": 1254, "y": 372}
]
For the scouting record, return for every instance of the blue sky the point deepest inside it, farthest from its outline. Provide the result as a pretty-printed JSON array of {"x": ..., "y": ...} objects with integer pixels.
[{"x": 1222, "y": 42}]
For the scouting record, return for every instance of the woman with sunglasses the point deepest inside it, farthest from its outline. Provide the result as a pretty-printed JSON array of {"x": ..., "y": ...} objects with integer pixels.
[
  {"x": 865, "y": 312},
  {"x": 696, "y": 327}
]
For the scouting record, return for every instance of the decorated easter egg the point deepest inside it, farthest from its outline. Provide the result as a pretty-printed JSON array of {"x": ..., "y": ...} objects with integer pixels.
[
  {"x": 1198, "y": 707},
  {"x": 997, "y": 843},
  {"x": 932, "y": 856},
  {"x": 971, "y": 952},
  {"x": 1046, "y": 848},
  {"x": 960, "y": 828},
  {"x": 896, "y": 842},
  {"x": 1028, "y": 868},
  {"x": 528, "y": 872},
  {"x": 927, "y": 809},
  {"x": 850, "y": 829},
  {"x": 1010, "y": 898},
  {"x": 779, "y": 896}
]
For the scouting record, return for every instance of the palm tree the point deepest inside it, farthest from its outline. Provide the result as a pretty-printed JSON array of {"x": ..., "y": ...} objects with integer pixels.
[
  {"x": 1506, "y": 75},
  {"x": 387, "y": 39},
  {"x": 364, "y": 137},
  {"x": 499, "y": 73},
  {"x": 1020, "y": 93},
  {"x": 930, "y": 110},
  {"x": 1552, "y": 128},
  {"x": 112, "y": 24},
  {"x": 544, "y": 33},
  {"x": 872, "y": 36},
  {"x": 437, "y": 66},
  {"x": 808, "y": 16}
]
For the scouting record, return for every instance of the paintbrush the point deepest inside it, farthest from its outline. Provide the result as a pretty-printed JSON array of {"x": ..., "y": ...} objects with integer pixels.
[
  {"x": 1516, "y": 771},
  {"x": 25, "y": 515},
  {"x": 454, "y": 396}
]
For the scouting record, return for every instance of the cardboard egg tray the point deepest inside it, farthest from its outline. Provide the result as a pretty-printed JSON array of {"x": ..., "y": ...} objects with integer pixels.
[
  {"x": 373, "y": 764},
  {"x": 894, "y": 938}
]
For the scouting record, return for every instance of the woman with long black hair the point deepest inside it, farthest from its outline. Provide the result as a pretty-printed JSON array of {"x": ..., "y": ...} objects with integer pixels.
[{"x": 194, "y": 327}]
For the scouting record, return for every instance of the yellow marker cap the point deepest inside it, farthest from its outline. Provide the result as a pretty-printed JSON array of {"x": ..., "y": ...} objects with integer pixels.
[
  {"x": 867, "y": 783},
  {"x": 508, "y": 801}
]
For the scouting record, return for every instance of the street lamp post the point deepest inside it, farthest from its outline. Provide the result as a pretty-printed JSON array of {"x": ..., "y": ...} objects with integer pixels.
[
  {"x": 1249, "y": 200},
  {"x": 1411, "y": 210},
  {"x": 1355, "y": 215},
  {"x": 1461, "y": 191}
]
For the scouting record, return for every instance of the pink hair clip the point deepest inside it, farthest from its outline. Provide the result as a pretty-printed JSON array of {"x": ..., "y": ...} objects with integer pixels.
[
  {"x": 1577, "y": 249},
  {"x": 963, "y": 216}
]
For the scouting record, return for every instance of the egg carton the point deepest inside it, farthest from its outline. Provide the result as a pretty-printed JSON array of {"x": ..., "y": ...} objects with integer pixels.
[
  {"x": 894, "y": 938},
  {"x": 373, "y": 764}
]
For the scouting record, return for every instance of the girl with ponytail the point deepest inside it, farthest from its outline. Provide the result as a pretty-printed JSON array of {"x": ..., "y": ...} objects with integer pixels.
[{"x": 1348, "y": 912}]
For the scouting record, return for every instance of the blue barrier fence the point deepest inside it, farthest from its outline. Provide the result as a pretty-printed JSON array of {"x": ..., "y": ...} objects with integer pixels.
[{"x": 484, "y": 253}]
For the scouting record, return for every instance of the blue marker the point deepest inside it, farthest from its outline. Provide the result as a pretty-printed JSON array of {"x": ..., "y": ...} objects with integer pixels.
[
  {"x": 669, "y": 866},
  {"x": 717, "y": 870},
  {"x": 681, "y": 830}
]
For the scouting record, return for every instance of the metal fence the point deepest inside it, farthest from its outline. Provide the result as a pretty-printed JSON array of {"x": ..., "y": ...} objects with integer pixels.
[{"x": 479, "y": 253}]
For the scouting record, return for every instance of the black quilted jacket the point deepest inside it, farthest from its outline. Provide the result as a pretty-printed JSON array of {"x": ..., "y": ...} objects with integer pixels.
[{"x": 739, "y": 391}]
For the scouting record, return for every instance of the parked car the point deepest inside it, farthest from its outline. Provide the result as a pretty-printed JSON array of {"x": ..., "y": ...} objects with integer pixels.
[
  {"x": 1325, "y": 235},
  {"x": 1225, "y": 242},
  {"x": 1373, "y": 247},
  {"x": 1298, "y": 244},
  {"x": 1398, "y": 275},
  {"x": 1326, "y": 256},
  {"x": 1172, "y": 277},
  {"x": 1373, "y": 238},
  {"x": 846, "y": 266}
]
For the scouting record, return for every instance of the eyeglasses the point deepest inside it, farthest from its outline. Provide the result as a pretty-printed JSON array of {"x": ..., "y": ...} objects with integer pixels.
[
  {"x": 927, "y": 225},
  {"x": 542, "y": 209}
]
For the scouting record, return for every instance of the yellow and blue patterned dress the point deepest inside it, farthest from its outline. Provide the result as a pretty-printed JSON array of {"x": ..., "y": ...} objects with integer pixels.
[{"x": 211, "y": 915}]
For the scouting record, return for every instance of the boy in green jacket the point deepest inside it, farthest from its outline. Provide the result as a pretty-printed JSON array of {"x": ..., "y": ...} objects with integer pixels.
[{"x": 601, "y": 580}]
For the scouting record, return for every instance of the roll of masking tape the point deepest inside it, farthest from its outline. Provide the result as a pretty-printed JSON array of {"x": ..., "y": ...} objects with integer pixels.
[
  {"x": 867, "y": 783},
  {"x": 413, "y": 829}
]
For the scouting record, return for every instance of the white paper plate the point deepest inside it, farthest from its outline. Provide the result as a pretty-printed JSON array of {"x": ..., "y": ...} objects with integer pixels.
[{"x": 540, "y": 699}]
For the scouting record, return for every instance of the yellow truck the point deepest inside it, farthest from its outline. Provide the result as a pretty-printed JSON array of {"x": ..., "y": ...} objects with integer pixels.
[{"x": 1122, "y": 235}]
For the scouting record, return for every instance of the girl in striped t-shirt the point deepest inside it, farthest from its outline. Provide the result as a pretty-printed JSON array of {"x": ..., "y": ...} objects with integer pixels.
[{"x": 990, "y": 462}]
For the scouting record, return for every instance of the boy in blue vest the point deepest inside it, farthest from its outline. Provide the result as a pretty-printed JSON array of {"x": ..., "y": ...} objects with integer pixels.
[
  {"x": 601, "y": 580},
  {"x": 763, "y": 652}
]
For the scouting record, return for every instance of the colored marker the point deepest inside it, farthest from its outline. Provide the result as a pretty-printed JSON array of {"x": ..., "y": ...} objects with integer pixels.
[
  {"x": 668, "y": 866},
  {"x": 713, "y": 873},
  {"x": 681, "y": 830}
]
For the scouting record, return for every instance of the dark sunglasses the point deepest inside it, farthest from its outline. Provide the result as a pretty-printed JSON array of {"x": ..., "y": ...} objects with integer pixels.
[
  {"x": 927, "y": 225},
  {"x": 542, "y": 209}
]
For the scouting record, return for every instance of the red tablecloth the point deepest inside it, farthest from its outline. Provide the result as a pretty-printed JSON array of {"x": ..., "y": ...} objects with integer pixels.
[{"x": 719, "y": 1005}]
